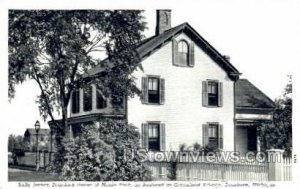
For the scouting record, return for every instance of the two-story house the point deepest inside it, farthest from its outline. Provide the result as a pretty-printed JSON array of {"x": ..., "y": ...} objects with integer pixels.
[
  {"x": 190, "y": 93},
  {"x": 30, "y": 137}
]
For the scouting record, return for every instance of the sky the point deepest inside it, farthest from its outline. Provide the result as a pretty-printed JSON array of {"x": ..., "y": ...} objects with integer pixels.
[{"x": 261, "y": 37}]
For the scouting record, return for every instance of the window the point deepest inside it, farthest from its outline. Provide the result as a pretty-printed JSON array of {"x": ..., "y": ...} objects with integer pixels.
[
  {"x": 153, "y": 90},
  {"x": 87, "y": 98},
  {"x": 213, "y": 135},
  {"x": 153, "y": 139},
  {"x": 153, "y": 136},
  {"x": 101, "y": 101},
  {"x": 183, "y": 53},
  {"x": 212, "y": 93},
  {"x": 75, "y": 101}
]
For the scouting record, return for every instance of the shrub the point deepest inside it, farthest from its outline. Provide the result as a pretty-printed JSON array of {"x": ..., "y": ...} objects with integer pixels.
[
  {"x": 88, "y": 158},
  {"x": 101, "y": 153}
]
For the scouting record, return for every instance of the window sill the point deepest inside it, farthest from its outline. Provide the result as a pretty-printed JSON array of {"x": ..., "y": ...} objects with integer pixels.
[
  {"x": 212, "y": 106},
  {"x": 154, "y": 104},
  {"x": 183, "y": 66}
]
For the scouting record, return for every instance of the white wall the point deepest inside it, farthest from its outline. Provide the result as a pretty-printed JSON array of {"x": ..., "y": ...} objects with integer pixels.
[{"x": 182, "y": 112}]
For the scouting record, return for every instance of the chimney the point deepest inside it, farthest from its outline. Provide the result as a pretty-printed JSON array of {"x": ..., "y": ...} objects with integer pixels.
[{"x": 163, "y": 21}]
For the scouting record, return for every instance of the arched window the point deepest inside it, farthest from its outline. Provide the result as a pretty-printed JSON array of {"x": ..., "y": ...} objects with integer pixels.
[{"x": 183, "y": 53}]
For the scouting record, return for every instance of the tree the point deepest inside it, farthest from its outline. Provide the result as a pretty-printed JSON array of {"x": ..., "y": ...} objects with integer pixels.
[
  {"x": 16, "y": 142},
  {"x": 279, "y": 134},
  {"x": 57, "y": 47}
]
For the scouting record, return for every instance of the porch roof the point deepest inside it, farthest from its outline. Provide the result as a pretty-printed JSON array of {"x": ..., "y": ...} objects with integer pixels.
[{"x": 249, "y": 99}]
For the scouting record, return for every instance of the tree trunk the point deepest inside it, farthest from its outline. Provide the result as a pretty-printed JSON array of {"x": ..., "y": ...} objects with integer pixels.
[{"x": 65, "y": 125}]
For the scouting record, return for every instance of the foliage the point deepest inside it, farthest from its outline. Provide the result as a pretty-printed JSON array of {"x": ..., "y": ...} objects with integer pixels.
[
  {"x": 196, "y": 147},
  {"x": 279, "y": 134},
  {"x": 56, "y": 48},
  {"x": 16, "y": 143},
  {"x": 104, "y": 152},
  {"x": 88, "y": 158},
  {"x": 124, "y": 139},
  {"x": 172, "y": 170}
]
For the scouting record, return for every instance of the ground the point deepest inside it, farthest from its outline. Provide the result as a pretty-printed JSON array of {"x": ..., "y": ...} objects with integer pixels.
[{"x": 15, "y": 174}]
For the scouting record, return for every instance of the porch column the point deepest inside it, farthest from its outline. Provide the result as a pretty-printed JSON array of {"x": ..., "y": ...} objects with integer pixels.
[
  {"x": 258, "y": 144},
  {"x": 275, "y": 161}
]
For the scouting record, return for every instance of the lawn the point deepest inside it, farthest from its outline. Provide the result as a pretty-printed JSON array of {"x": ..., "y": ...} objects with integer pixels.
[{"x": 32, "y": 176}]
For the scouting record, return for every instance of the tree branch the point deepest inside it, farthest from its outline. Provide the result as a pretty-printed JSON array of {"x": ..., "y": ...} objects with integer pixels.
[{"x": 37, "y": 79}]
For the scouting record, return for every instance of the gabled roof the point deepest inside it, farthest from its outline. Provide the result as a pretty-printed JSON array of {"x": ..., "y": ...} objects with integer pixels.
[
  {"x": 147, "y": 46},
  {"x": 41, "y": 131},
  {"x": 249, "y": 96}
]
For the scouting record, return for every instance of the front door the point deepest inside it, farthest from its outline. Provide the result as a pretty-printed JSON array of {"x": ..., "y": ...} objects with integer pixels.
[{"x": 252, "y": 138}]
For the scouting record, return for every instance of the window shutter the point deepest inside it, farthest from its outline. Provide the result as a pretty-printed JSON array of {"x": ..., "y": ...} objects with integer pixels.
[
  {"x": 205, "y": 135},
  {"x": 162, "y": 137},
  {"x": 220, "y": 94},
  {"x": 220, "y": 142},
  {"x": 162, "y": 91},
  {"x": 175, "y": 52},
  {"x": 204, "y": 94},
  {"x": 191, "y": 55},
  {"x": 145, "y": 135},
  {"x": 144, "y": 96}
]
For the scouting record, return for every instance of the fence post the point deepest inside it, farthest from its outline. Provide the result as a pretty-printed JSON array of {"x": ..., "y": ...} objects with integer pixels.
[{"x": 275, "y": 158}]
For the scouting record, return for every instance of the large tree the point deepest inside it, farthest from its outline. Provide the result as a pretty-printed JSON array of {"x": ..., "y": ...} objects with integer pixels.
[
  {"x": 56, "y": 48},
  {"x": 279, "y": 134}
]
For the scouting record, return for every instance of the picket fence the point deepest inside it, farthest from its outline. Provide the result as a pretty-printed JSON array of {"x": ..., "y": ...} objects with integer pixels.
[{"x": 197, "y": 171}]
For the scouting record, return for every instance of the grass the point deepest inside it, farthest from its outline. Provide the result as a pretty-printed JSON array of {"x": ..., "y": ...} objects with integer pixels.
[{"x": 32, "y": 176}]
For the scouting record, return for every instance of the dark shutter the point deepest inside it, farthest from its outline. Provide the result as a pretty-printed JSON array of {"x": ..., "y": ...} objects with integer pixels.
[
  {"x": 162, "y": 91},
  {"x": 204, "y": 93},
  {"x": 220, "y": 137},
  {"x": 162, "y": 137},
  {"x": 191, "y": 55},
  {"x": 145, "y": 135},
  {"x": 144, "y": 94},
  {"x": 220, "y": 94},
  {"x": 205, "y": 134},
  {"x": 175, "y": 52}
]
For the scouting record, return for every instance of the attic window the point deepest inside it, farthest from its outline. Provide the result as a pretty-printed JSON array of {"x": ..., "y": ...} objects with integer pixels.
[{"x": 183, "y": 53}]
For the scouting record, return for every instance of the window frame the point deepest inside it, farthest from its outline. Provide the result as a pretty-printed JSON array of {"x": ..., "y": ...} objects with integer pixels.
[
  {"x": 216, "y": 83},
  {"x": 180, "y": 54},
  {"x": 98, "y": 92},
  {"x": 158, "y": 139},
  {"x": 158, "y": 89},
  {"x": 213, "y": 126},
  {"x": 84, "y": 98},
  {"x": 75, "y": 102}
]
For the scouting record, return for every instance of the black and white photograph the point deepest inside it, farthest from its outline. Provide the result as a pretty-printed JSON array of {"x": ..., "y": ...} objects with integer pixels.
[{"x": 141, "y": 94}]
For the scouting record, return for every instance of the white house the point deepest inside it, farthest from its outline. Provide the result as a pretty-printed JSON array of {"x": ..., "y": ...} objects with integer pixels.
[{"x": 190, "y": 93}]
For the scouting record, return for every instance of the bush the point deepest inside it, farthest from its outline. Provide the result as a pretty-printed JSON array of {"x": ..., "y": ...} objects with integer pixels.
[
  {"x": 88, "y": 158},
  {"x": 101, "y": 153}
]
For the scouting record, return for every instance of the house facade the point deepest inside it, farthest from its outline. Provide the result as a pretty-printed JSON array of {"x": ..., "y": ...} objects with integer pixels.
[
  {"x": 30, "y": 138},
  {"x": 190, "y": 94}
]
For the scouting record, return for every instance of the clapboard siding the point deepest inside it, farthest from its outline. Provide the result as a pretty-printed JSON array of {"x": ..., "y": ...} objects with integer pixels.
[{"x": 182, "y": 111}]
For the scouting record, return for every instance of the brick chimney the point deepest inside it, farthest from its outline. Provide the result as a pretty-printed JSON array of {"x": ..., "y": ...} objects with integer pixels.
[{"x": 163, "y": 21}]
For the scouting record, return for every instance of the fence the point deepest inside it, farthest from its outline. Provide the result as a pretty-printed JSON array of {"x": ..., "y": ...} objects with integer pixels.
[
  {"x": 29, "y": 159},
  {"x": 246, "y": 171}
]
